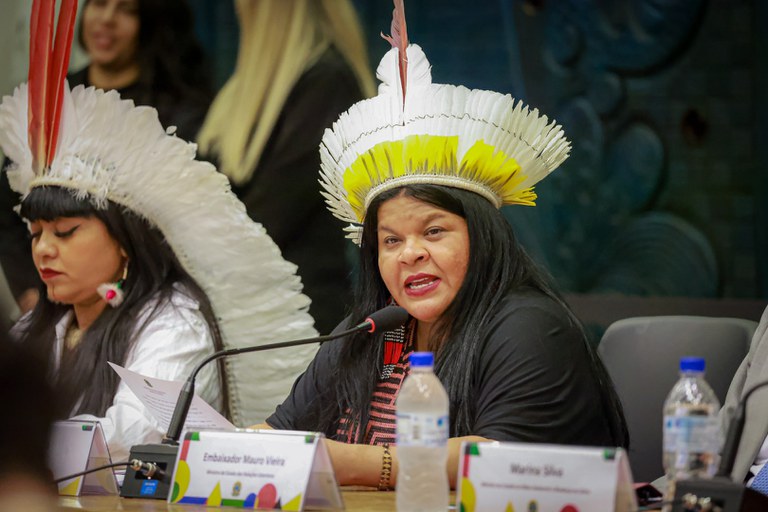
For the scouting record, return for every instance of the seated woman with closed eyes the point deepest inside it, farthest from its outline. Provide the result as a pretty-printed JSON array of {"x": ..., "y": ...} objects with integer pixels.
[
  {"x": 147, "y": 260},
  {"x": 147, "y": 52},
  {"x": 113, "y": 291}
]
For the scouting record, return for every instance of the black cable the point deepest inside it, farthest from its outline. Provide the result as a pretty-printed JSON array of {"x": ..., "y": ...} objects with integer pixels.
[
  {"x": 92, "y": 470},
  {"x": 148, "y": 469}
]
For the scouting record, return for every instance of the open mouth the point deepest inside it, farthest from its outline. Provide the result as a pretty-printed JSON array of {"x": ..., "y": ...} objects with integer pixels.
[{"x": 421, "y": 284}]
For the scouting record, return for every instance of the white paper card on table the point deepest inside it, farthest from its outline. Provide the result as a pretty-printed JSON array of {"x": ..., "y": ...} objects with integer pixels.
[
  {"x": 159, "y": 397},
  {"x": 77, "y": 446},
  {"x": 524, "y": 476},
  {"x": 270, "y": 469}
]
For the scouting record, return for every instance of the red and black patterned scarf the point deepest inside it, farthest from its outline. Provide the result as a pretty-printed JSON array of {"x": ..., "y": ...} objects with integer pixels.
[{"x": 381, "y": 428}]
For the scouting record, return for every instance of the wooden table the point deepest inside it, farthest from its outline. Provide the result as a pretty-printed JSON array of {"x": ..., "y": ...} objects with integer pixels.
[{"x": 355, "y": 499}]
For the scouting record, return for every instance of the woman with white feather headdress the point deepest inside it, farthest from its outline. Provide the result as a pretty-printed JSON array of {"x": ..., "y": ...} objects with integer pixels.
[
  {"x": 419, "y": 173},
  {"x": 147, "y": 259}
]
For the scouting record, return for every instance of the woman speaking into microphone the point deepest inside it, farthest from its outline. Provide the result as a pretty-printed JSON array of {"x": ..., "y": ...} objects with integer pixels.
[{"x": 420, "y": 173}]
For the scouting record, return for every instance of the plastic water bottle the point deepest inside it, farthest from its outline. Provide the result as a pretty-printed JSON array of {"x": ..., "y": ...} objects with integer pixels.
[
  {"x": 691, "y": 429},
  {"x": 422, "y": 438}
]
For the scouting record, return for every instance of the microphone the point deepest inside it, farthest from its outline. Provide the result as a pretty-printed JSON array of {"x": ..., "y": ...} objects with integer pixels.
[
  {"x": 151, "y": 481},
  {"x": 385, "y": 319},
  {"x": 721, "y": 490}
]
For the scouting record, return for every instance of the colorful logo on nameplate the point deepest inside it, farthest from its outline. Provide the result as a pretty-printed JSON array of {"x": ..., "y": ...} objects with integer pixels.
[
  {"x": 254, "y": 470},
  {"x": 266, "y": 498}
]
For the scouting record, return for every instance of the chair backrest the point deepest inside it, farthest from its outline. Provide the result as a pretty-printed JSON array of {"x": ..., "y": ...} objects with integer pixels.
[{"x": 642, "y": 356}]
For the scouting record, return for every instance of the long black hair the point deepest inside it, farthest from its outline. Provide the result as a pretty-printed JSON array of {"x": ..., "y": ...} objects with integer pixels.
[
  {"x": 497, "y": 265},
  {"x": 153, "y": 270}
]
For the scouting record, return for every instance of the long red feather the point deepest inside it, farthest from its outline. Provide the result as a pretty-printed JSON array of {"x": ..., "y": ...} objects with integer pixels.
[
  {"x": 62, "y": 45},
  {"x": 40, "y": 35},
  {"x": 48, "y": 63},
  {"x": 399, "y": 40}
]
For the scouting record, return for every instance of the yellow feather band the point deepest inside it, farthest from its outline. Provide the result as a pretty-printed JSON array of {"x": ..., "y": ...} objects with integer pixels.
[{"x": 431, "y": 159}]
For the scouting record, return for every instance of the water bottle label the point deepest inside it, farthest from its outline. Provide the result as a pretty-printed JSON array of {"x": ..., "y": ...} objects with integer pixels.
[
  {"x": 691, "y": 434},
  {"x": 422, "y": 430}
]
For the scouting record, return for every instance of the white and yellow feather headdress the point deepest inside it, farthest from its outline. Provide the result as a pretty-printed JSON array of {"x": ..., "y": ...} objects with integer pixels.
[
  {"x": 415, "y": 131},
  {"x": 104, "y": 149}
]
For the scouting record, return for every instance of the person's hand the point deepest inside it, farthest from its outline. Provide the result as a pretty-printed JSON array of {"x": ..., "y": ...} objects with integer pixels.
[
  {"x": 27, "y": 300},
  {"x": 359, "y": 464}
]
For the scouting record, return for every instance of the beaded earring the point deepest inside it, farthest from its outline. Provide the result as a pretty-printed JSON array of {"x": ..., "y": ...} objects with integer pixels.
[{"x": 113, "y": 292}]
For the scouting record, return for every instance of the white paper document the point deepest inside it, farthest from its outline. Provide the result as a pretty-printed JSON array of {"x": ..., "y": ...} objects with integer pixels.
[{"x": 159, "y": 396}]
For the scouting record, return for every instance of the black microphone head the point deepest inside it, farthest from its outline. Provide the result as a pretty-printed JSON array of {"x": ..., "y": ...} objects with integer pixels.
[{"x": 386, "y": 319}]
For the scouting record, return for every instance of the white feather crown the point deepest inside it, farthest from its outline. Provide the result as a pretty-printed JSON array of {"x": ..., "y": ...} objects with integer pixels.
[
  {"x": 109, "y": 149},
  {"x": 449, "y": 135}
]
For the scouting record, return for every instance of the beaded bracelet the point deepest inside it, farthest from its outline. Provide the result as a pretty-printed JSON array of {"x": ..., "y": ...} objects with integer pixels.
[{"x": 386, "y": 469}]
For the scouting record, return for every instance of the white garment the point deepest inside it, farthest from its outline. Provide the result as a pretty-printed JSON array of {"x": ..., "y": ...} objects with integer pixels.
[{"x": 169, "y": 347}]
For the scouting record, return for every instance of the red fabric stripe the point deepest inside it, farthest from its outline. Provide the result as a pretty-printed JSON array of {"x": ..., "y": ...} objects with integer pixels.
[{"x": 382, "y": 422}]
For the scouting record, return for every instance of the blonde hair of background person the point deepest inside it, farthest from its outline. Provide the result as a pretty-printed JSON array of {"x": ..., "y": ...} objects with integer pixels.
[{"x": 279, "y": 41}]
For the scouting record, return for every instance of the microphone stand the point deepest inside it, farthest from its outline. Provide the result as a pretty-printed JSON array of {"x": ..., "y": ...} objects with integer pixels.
[
  {"x": 138, "y": 485},
  {"x": 188, "y": 390}
]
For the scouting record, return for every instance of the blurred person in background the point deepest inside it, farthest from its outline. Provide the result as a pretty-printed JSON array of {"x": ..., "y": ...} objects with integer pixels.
[
  {"x": 147, "y": 50},
  {"x": 300, "y": 64}
]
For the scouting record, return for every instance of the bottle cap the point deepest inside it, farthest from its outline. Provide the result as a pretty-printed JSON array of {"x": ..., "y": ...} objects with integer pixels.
[
  {"x": 422, "y": 359},
  {"x": 692, "y": 364}
]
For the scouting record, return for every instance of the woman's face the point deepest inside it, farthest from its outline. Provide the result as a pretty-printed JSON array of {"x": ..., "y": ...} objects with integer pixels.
[
  {"x": 423, "y": 255},
  {"x": 111, "y": 32},
  {"x": 74, "y": 255}
]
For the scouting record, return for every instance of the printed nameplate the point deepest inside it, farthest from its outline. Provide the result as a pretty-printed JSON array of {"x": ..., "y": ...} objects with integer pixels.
[
  {"x": 530, "y": 477},
  {"x": 268, "y": 469},
  {"x": 77, "y": 446}
]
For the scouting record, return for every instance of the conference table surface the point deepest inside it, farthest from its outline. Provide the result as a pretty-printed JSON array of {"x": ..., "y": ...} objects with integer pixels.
[{"x": 355, "y": 499}]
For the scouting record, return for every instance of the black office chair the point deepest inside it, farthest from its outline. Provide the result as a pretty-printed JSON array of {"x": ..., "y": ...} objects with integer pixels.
[{"x": 642, "y": 356}]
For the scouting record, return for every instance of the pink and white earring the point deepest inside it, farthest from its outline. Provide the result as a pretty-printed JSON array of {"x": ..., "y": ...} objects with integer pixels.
[{"x": 113, "y": 293}]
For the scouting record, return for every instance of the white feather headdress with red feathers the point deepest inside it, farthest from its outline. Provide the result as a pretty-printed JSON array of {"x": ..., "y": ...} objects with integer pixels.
[{"x": 103, "y": 148}]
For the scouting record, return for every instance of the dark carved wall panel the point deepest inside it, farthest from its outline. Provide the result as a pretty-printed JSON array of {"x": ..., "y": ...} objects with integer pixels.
[
  {"x": 659, "y": 196},
  {"x": 666, "y": 191}
]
